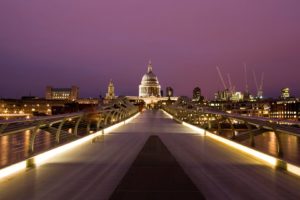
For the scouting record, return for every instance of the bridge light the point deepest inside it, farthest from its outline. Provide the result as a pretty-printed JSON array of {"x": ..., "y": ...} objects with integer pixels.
[
  {"x": 42, "y": 158},
  {"x": 293, "y": 169},
  {"x": 195, "y": 128},
  {"x": 269, "y": 159},
  {"x": 12, "y": 169}
]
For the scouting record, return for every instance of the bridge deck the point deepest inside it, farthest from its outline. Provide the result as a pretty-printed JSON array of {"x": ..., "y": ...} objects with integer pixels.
[{"x": 94, "y": 170}]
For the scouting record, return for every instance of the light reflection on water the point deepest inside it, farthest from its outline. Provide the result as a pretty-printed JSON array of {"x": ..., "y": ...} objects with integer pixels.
[
  {"x": 267, "y": 143},
  {"x": 14, "y": 148},
  {"x": 3, "y": 151}
]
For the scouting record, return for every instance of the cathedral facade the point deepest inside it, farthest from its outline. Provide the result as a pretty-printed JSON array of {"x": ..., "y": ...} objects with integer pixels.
[{"x": 149, "y": 86}]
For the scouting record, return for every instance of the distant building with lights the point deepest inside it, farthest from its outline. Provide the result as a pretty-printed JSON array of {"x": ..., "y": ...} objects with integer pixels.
[
  {"x": 226, "y": 95},
  {"x": 285, "y": 93},
  {"x": 71, "y": 94},
  {"x": 197, "y": 96},
  {"x": 169, "y": 92},
  {"x": 110, "y": 91},
  {"x": 286, "y": 107},
  {"x": 27, "y": 106}
]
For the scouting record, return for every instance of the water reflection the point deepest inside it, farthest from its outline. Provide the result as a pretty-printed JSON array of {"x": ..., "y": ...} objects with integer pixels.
[
  {"x": 267, "y": 142},
  {"x": 3, "y": 150},
  {"x": 14, "y": 148}
]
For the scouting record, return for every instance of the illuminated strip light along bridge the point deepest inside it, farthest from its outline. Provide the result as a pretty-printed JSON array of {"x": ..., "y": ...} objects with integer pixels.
[
  {"x": 80, "y": 123},
  {"x": 212, "y": 120}
]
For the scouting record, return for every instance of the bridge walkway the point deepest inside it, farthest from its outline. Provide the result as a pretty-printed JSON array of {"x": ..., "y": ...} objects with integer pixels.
[{"x": 94, "y": 170}]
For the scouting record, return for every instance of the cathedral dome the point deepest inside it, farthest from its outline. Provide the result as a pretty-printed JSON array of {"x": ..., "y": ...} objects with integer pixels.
[
  {"x": 149, "y": 78},
  {"x": 149, "y": 85}
]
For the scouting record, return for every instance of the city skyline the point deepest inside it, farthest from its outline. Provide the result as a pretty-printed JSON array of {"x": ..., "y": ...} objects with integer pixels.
[
  {"x": 134, "y": 90},
  {"x": 160, "y": 99},
  {"x": 61, "y": 44}
]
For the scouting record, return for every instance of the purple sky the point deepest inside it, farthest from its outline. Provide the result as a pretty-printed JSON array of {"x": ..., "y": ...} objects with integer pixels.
[{"x": 87, "y": 42}]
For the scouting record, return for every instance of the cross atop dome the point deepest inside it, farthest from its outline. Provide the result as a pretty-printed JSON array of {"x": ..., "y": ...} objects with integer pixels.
[{"x": 149, "y": 66}]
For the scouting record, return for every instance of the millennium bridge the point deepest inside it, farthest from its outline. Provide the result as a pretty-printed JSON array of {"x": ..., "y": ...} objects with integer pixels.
[{"x": 182, "y": 151}]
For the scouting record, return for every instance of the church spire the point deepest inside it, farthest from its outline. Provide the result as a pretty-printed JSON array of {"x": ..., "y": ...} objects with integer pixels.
[
  {"x": 110, "y": 91},
  {"x": 149, "y": 66}
]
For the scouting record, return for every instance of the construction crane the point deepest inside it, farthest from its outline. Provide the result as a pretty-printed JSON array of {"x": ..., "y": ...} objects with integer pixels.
[
  {"x": 259, "y": 88},
  {"x": 255, "y": 80},
  {"x": 231, "y": 87},
  {"x": 221, "y": 77},
  {"x": 246, "y": 79}
]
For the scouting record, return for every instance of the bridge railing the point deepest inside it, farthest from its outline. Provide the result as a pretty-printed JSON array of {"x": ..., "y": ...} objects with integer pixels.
[
  {"x": 249, "y": 131},
  {"x": 23, "y": 138}
]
